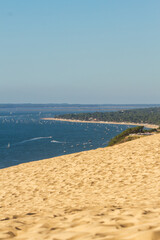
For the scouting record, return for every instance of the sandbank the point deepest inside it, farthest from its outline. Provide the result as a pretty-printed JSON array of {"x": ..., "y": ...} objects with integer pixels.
[
  {"x": 110, "y": 193},
  {"x": 104, "y": 122}
]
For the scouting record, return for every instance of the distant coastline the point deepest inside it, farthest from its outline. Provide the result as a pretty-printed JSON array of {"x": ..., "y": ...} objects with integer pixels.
[{"x": 103, "y": 122}]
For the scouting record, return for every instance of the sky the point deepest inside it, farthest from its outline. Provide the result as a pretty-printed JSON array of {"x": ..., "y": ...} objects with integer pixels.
[{"x": 80, "y": 51}]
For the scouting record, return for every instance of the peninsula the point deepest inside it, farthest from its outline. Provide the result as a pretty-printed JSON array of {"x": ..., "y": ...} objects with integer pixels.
[
  {"x": 134, "y": 116},
  {"x": 103, "y": 122}
]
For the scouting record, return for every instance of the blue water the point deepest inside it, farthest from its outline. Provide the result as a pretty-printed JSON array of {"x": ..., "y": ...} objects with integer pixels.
[{"x": 25, "y": 137}]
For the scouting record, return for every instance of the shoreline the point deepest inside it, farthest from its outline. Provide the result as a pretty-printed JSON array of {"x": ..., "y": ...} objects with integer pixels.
[{"x": 103, "y": 122}]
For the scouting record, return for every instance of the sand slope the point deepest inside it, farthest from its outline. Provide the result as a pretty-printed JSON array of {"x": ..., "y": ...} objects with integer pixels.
[{"x": 108, "y": 194}]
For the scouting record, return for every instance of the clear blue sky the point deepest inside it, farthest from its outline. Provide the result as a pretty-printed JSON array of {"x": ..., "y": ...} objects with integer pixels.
[{"x": 80, "y": 51}]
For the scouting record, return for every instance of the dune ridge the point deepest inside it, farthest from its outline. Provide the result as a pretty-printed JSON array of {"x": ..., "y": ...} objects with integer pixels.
[{"x": 109, "y": 193}]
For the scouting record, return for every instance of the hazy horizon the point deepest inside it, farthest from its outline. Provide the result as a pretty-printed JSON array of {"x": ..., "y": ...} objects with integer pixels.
[
  {"x": 78, "y": 103},
  {"x": 80, "y": 52}
]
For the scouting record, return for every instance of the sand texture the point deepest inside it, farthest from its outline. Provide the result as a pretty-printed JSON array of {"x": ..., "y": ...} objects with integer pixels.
[{"x": 105, "y": 194}]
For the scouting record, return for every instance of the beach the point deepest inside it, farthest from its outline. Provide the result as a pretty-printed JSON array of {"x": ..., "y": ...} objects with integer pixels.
[
  {"x": 147, "y": 125},
  {"x": 110, "y": 193}
]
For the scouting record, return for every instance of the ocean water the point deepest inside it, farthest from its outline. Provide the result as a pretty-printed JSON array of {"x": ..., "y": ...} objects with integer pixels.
[{"x": 25, "y": 137}]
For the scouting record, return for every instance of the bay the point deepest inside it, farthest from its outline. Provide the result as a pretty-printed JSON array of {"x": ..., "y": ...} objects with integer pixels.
[{"x": 25, "y": 136}]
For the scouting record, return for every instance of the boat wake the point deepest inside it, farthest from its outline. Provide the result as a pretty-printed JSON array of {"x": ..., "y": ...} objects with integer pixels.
[
  {"x": 30, "y": 140},
  {"x": 54, "y": 141}
]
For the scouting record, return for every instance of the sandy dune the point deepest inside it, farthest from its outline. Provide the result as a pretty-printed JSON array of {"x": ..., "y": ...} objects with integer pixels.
[{"x": 105, "y": 194}]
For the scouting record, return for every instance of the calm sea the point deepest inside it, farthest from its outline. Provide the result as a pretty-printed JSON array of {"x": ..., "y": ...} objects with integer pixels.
[{"x": 25, "y": 137}]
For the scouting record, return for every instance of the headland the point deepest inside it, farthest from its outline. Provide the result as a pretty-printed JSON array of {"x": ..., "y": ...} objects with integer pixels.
[{"x": 103, "y": 122}]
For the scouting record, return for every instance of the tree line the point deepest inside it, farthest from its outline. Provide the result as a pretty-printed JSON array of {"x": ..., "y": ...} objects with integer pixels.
[{"x": 145, "y": 115}]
